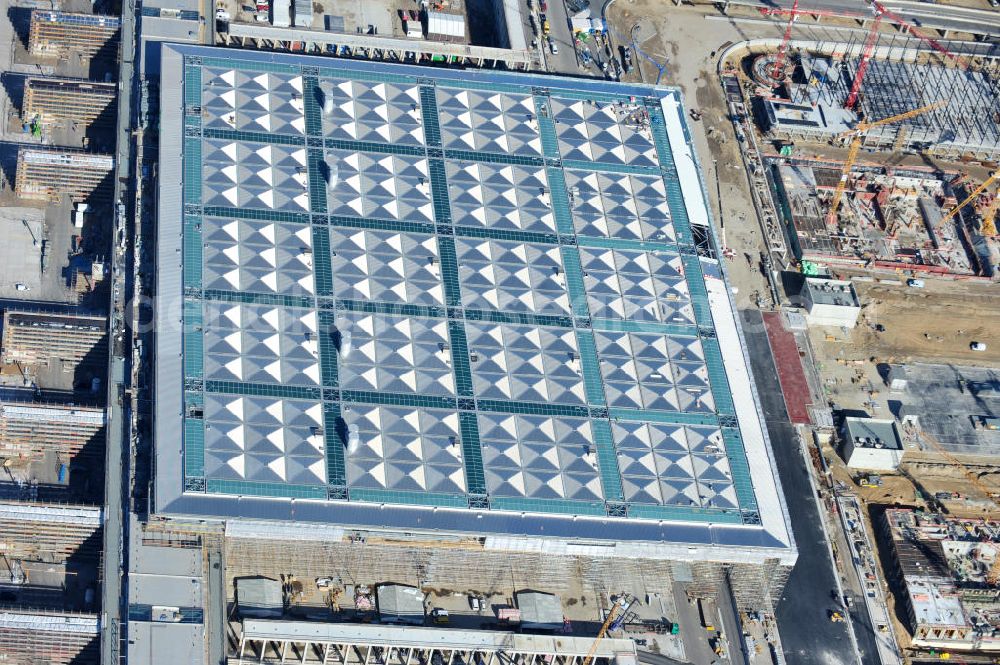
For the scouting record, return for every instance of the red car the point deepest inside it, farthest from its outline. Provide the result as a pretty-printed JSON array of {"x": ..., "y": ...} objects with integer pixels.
[{"x": 542, "y": 6}]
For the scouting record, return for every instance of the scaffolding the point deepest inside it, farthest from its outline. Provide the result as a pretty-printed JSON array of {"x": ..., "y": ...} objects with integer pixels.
[
  {"x": 47, "y": 175},
  {"x": 465, "y": 564},
  {"x": 50, "y": 532},
  {"x": 28, "y": 431},
  {"x": 84, "y": 102},
  {"x": 61, "y": 34},
  {"x": 48, "y": 637},
  {"x": 36, "y": 338}
]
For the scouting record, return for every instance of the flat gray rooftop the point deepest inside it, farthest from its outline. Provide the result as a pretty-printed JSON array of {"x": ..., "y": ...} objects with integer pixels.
[
  {"x": 872, "y": 433},
  {"x": 832, "y": 292},
  {"x": 949, "y": 399},
  {"x": 474, "y": 302}
]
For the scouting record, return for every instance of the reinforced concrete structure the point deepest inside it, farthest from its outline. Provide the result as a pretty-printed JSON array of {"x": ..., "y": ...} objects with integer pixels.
[
  {"x": 28, "y": 430},
  {"x": 62, "y": 34},
  {"x": 480, "y": 306},
  {"x": 352, "y": 644},
  {"x": 49, "y": 174},
  {"x": 943, "y": 565},
  {"x": 40, "y": 338},
  {"x": 73, "y": 100},
  {"x": 49, "y": 637}
]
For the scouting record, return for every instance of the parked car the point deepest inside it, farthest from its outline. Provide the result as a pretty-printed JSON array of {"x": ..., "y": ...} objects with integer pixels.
[
  {"x": 553, "y": 46},
  {"x": 978, "y": 346},
  {"x": 915, "y": 283}
]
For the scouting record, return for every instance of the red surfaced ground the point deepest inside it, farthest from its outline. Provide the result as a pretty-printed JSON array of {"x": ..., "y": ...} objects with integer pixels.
[{"x": 790, "y": 374}]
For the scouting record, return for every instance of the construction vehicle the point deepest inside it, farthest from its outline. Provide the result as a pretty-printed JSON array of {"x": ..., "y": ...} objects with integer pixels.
[
  {"x": 836, "y": 616},
  {"x": 858, "y": 134},
  {"x": 621, "y": 604}
]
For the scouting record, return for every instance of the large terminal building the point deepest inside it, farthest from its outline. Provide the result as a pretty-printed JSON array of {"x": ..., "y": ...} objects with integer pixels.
[{"x": 458, "y": 304}]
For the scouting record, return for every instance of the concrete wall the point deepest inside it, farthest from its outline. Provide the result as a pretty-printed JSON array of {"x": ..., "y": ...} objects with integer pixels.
[{"x": 879, "y": 459}]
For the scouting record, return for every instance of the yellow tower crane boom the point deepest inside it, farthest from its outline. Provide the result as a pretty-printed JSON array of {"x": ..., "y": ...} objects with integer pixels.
[
  {"x": 976, "y": 192},
  {"x": 620, "y": 604},
  {"x": 858, "y": 134},
  {"x": 990, "y": 215}
]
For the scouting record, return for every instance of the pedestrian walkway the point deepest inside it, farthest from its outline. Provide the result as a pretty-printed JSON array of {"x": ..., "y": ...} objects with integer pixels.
[{"x": 794, "y": 386}]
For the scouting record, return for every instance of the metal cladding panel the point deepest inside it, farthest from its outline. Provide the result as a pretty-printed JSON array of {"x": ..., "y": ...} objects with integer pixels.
[{"x": 466, "y": 305}]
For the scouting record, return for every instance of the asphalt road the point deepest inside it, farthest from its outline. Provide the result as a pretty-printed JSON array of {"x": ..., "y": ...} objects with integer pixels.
[
  {"x": 985, "y": 21},
  {"x": 116, "y": 454},
  {"x": 565, "y": 60},
  {"x": 807, "y": 635}
]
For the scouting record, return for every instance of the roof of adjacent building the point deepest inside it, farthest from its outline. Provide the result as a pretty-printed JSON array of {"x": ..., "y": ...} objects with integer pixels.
[
  {"x": 872, "y": 433},
  {"x": 400, "y": 602},
  {"x": 478, "y": 302},
  {"x": 831, "y": 292},
  {"x": 935, "y": 604},
  {"x": 259, "y": 596},
  {"x": 539, "y": 610},
  {"x": 428, "y": 638}
]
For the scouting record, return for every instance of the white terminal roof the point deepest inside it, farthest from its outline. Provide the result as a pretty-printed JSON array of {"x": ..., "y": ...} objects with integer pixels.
[{"x": 483, "y": 303}]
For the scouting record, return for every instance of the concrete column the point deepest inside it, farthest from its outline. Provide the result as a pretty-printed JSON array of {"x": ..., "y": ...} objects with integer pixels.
[
  {"x": 368, "y": 654},
  {"x": 284, "y": 650}
]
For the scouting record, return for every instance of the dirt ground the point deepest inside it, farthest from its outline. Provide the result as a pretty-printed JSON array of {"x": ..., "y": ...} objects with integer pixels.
[{"x": 934, "y": 324}]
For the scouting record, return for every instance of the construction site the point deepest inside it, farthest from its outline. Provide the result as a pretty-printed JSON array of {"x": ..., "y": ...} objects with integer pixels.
[
  {"x": 332, "y": 576},
  {"x": 824, "y": 124},
  {"x": 62, "y": 100},
  {"x": 946, "y": 574},
  {"x": 48, "y": 582},
  {"x": 60, "y": 97},
  {"x": 52, "y": 101}
]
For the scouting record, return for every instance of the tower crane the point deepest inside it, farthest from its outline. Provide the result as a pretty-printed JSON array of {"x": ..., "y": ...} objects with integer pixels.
[
  {"x": 872, "y": 39},
  {"x": 779, "y": 62},
  {"x": 880, "y": 13},
  {"x": 989, "y": 228},
  {"x": 990, "y": 212},
  {"x": 858, "y": 134},
  {"x": 618, "y": 610}
]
